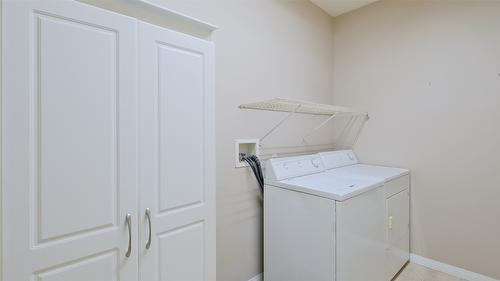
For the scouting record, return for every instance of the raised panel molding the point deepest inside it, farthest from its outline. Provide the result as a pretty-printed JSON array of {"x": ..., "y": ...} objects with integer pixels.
[
  {"x": 182, "y": 253},
  {"x": 99, "y": 267},
  {"x": 181, "y": 127},
  {"x": 74, "y": 128}
]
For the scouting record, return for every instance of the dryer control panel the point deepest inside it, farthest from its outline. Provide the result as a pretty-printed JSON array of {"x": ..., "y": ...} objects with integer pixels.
[{"x": 340, "y": 158}]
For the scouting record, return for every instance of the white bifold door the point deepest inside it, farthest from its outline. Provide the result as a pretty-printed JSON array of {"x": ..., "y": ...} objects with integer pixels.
[
  {"x": 103, "y": 118},
  {"x": 69, "y": 143},
  {"x": 177, "y": 156}
]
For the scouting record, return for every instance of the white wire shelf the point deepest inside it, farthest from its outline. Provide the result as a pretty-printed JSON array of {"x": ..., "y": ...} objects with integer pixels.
[
  {"x": 305, "y": 107},
  {"x": 312, "y": 108}
]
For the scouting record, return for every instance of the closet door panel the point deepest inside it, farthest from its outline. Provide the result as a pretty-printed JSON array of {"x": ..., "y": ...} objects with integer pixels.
[
  {"x": 69, "y": 142},
  {"x": 180, "y": 117},
  {"x": 75, "y": 127},
  {"x": 182, "y": 253},
  {"x": 101, "y": 267},
  {"x": 177, "y": 156}
]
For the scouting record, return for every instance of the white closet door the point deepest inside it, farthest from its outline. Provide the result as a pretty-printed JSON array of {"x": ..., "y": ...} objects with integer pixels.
[
  {"x": 69, "y": 142},
  {"x": 176, "y": 156}
]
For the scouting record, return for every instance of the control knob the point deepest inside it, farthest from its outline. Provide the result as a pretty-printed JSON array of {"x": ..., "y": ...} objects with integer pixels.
[{"x": 315, "y": 162}]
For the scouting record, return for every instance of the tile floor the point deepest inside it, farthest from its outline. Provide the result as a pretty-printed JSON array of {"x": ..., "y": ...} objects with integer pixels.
[{"x": 415, "y": 272}]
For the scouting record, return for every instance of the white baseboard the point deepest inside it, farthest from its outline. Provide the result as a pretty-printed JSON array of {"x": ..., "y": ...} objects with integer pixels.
[
  {"x": 450, "y": 269},
  {"x": 258, "y": 277},
  {"x": 432, "y": 264}
]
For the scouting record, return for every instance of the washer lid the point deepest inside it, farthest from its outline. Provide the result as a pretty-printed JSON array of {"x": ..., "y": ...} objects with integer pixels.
[{"x": 336, "y": 187}]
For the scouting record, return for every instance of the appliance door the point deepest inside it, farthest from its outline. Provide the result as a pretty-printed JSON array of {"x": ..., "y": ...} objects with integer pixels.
[
  {"x": 361, "y": 242},
  {"x": 398, "y": 232},
  {"x": 299, "y": 236}
]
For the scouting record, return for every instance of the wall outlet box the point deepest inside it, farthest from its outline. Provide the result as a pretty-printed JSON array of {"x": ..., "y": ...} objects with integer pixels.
[{"x": 247, "y": 146}]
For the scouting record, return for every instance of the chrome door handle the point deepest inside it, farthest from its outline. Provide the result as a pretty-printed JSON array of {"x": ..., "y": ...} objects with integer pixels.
[
  {"x": 128, "y": 220},
  {"x": 148, "y": 216}
]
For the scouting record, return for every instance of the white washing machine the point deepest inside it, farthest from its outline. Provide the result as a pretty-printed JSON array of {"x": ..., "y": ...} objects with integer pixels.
[{"x": 327, "y": 217}]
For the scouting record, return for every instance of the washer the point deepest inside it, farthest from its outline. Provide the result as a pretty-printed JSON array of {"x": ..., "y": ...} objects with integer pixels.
[{"x": 327, "y": 217}]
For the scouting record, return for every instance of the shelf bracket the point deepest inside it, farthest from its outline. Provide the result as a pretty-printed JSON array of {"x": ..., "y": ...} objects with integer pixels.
[
  {"x": 317, "y": 127},
  {"x": 279, "y": 123},
  {"x": 360, "y": 129},
  {"x": 345, "y": 130},
  {"x": 350, "y": 125}
]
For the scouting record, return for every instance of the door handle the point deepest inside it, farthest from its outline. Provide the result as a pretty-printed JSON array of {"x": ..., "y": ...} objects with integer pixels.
[
  {"x": 148, "y": 216},
  {"x": 128, "y": 220}
]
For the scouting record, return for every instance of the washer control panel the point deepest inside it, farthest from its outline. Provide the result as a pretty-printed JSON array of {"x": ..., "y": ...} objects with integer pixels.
[{"x": 289, "y": 167}]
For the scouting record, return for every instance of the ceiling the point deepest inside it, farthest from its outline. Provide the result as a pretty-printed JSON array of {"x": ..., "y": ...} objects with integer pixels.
[{"x": 338, "y": 7}]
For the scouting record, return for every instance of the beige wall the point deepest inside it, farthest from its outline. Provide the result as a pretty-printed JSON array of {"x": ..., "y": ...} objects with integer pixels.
[
  {"x": 1, "y": 145},
  {"x": 429, "y": 74},
  {"x": 264, "y": 49}
]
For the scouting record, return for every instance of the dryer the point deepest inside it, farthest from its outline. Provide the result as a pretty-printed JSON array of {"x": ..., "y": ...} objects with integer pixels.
[{"x": 397, "y": 204}]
